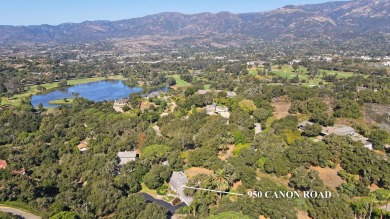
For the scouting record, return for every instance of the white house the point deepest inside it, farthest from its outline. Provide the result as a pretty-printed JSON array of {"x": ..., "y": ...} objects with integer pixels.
[{"x": 121, "y": 102}]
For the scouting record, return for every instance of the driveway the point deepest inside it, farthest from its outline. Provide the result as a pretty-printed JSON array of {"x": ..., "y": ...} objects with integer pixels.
[{"x": 18, "y": 212}]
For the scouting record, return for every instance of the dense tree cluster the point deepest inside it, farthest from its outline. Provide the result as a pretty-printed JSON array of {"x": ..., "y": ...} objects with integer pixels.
[{"x": 175, "y": 132}]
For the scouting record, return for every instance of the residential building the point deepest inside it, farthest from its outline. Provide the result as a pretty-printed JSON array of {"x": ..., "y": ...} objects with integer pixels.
[
  {"x": 126, "y": 156},
  {"x": 177, "y": 182},
  {"x": 3, "y": 164},
  {"x": 121, "y": 102}
]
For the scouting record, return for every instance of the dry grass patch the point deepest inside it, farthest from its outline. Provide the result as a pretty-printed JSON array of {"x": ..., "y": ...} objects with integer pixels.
[
  {"x": 303, "y": 215},
  {"x": 193, "y": 171},
  {"x": 223, "y": 155},
  {"x": 284, "y": 180},
  {"x": 329, "y": 103},
  {"x": 146, "y": 105},
  {"x": 373, "y": 187},
  {"x": 282, "y": 105},
  {"x": 236, "y": 185},
  {"x": 329, "y": 176}
]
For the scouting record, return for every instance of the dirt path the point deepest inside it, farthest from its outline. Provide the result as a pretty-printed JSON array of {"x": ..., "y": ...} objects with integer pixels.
[
  {"x": 173, "y": 106},
  {"x": 18, "y": 212},
  {"x": 157, "y": 130}
]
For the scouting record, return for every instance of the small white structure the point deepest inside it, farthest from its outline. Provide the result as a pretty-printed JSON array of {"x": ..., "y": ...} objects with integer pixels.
[
  {"x": 231, "y": 94},
  {"x": 126, "y": 156},
  {"x": 368, "y": 144},
  {"x": 387, "y": 64},
  {"x": 82, "y": 146},
  {"x": 257, "y": 128},
  {"x": 295, "y": 61},
  {"x": 121, "y": 102},
  {"x": 202, "y": 92}
]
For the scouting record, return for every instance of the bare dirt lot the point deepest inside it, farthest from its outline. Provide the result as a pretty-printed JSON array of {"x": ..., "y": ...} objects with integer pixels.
[
  {"x": 236, "y": 185},
  {"x": 282, "y": 105},
  {"x": 329, "y": 176},
  {"x": 303, "y": 215},
  {"x": 145, "y": 105},
  {"x": 223, "y": 155}
]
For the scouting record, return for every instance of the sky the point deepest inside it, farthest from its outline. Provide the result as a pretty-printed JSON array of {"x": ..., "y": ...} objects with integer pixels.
[{"x": 53, "y": 12}]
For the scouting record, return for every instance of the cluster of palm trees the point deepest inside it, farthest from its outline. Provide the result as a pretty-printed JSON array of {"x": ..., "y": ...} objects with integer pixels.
[{"x": 222, "y": 181}]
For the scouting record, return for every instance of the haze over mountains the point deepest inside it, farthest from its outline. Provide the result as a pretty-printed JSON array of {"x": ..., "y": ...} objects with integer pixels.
[{"x": 334, "y": 20}]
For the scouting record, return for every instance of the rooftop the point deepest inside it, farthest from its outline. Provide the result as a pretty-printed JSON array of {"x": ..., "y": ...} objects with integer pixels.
[
  {"x": 82, "y": 147},
  {"x": 231, "y": 94},
  {"x": 338, "y": 130},
  {"x": 122, "y": 101},
  {"x": 126, "y": 156},
  {"x": 177, "y": 181},
  {"x": 214, "y": 109},
  {"x": 303, "y": 124},
  {"x": 3, "y": 164}
]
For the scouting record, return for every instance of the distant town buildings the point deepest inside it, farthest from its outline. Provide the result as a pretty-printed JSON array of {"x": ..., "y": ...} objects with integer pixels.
[{"x": 387, "y": 63}]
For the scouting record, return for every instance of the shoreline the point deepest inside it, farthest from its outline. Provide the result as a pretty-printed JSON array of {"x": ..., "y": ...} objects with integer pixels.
[{"x": 32, "y": 89}]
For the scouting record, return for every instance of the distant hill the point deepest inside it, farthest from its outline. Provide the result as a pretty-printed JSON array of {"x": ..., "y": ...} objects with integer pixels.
[{"x": 337, "y": 20}]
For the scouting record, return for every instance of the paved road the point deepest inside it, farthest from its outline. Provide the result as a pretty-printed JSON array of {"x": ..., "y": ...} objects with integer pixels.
[
  {"x": 171, "y": 209},
  {"x": 18, "y": 212}
]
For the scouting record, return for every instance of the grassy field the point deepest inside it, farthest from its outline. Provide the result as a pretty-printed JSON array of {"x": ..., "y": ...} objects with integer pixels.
[
  {"x": 180, "y": 82},
  {"x": 253, "y": 71},
  {"x": 288, "y": 71},
  {"x": 145, "y": 189},
  {"x": 21, "y": 206},
  {"x": 61, "y": 101},
  {"x": 32, "y": 90}
]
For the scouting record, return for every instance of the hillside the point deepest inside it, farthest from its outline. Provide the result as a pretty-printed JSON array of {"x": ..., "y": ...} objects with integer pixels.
[{"x": 335, "y": 20}]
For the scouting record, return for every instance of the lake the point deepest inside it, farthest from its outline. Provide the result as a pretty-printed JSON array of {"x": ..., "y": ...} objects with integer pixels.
[{"x": 96, "y": 91}]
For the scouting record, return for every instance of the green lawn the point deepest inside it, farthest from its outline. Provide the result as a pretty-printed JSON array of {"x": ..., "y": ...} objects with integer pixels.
[
  {"x": 253, "y": 72},
  {"x": 180, "y": 82},
  {"x": 288, "y": 71},
  {"x": 61, "y": 101},
  {"x": 21, "y": 206},
  {"x": 32, "y": 90},
  {"x": 145, "y": 189}
]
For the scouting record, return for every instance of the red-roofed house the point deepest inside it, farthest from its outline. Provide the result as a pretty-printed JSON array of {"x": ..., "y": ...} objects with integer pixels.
[{"x": 3, "y": 164}]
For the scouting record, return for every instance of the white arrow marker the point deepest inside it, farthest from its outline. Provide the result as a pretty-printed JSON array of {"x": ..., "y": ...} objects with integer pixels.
[{"x": 211, "y": 190}]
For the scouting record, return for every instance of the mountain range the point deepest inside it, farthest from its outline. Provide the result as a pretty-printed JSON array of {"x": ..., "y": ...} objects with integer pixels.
[{"x": 333, "y": 20}]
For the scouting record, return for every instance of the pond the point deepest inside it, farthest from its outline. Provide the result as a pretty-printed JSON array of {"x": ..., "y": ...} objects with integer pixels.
[{"x": 95, "y": 91}]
